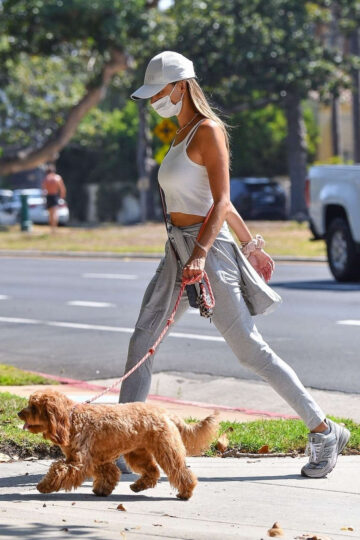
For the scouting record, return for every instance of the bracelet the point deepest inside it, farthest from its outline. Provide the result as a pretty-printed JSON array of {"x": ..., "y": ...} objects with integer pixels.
[
  {"x": 256, "y": 243},
  {"x": 201, "y": 246}
]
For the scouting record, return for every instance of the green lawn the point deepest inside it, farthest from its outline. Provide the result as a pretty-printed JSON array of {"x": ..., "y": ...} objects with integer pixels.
[
  {"x": 12, "y": 376},
  {"x": 13, "y": 439},
  {"x": 282, "y": 238},
  {"x": 282, "y": 436}
]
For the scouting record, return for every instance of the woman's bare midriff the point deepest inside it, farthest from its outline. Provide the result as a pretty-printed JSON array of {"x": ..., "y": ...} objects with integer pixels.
[{"x": 184, "y": 220}]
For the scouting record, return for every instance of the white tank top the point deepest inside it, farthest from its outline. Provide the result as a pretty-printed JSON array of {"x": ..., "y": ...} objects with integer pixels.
[{"x": 184, "y": 182}]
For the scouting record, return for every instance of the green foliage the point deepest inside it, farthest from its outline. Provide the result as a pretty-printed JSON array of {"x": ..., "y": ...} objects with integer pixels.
[
  {"x": 260, "y": 49},
  {"x": 37, "y": 97},
  {"x": 258, "y": 141}
]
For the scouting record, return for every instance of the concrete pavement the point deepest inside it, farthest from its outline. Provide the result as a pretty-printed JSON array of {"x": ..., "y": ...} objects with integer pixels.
[{"x": 235, "y": 499}]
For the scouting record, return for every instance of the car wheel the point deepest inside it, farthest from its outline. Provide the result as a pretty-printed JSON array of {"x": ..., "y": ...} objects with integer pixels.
[{"x": 343, "y": 260}]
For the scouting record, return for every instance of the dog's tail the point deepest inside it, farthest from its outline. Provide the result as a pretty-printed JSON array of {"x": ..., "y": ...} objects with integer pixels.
[{"x": 197, "y": 436}]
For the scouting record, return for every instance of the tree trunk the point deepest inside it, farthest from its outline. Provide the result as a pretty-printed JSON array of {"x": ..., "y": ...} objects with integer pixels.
[
  {"x": 296, "y": 153},
  {"x": 144, "y": 158},
  {"x": 335, "y": 127},
  {"x": 355, "y": 49},
  {"x": 28, "y": 159}
]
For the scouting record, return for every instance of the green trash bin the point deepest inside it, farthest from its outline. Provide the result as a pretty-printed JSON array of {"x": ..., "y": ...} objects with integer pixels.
[{"x": 25, "y": 221}]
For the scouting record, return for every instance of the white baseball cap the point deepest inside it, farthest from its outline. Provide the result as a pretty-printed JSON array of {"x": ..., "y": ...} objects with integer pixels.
[{"x": 164, "y": 68}]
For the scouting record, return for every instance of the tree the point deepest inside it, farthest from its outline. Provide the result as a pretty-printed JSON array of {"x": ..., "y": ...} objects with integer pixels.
[
  {"x": 250, "y": 54},
  {"x": 103, "y": 33}
]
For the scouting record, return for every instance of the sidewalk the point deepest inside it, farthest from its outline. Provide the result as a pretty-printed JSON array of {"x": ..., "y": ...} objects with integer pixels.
[{"x": 235, "y": 498}]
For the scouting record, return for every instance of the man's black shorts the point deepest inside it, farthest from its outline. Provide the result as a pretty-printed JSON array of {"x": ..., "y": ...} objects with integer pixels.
[{"x": 52, "y": 200}]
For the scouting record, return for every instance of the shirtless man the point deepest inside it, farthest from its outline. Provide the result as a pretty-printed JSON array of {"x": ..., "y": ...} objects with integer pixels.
[{"x": 55, "y": 188}]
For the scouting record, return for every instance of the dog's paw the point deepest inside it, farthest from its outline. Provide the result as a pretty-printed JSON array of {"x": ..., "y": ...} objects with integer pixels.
[
  {"x": 102, "y": 492},
  {"x": 184, "y": 496},
  {"x": 141, "y": 484},
  {"x": 44, "y": 487},
  {"x": 137, "y": 487}
]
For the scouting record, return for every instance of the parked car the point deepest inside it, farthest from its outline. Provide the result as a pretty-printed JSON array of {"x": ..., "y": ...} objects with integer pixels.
[
  {"x": 7, "y": 213},
  {"x": 333, "y": 198},
  {"x": 37, "y": 206},
  {"x": 258, "y": 198}
]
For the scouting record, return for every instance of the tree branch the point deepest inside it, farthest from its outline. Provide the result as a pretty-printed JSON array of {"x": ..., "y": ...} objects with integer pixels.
[{"x": 28, "y": 159}]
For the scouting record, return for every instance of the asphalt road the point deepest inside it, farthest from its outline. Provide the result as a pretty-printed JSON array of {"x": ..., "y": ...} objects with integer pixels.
[{"x": 74, "y": 318}]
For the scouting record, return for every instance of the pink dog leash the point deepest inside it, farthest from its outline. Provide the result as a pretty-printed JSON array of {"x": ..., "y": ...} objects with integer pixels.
[{"x": 166, "y": 328}]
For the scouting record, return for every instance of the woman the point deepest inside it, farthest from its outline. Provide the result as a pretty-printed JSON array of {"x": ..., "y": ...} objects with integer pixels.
[{"x": 194, "y": 175}]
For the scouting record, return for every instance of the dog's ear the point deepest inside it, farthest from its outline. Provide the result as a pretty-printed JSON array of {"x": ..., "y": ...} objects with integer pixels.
[{"x": 59, "y": 419}]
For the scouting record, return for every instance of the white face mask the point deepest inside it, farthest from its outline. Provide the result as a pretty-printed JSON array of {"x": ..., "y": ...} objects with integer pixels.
[{"x": 166, "y": 108}]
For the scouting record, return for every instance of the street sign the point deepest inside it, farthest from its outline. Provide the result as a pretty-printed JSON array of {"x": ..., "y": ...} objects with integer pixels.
[{"x": 165, "y": 130}]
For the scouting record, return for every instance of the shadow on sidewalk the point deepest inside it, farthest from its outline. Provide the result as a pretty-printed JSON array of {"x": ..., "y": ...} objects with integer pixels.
[
  {"x": 35, "y": 531},
  {"x": 73, "y": 496}
]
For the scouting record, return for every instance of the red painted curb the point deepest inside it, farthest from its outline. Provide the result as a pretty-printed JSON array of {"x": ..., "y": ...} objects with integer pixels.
[{"x": 97, "y": 387}]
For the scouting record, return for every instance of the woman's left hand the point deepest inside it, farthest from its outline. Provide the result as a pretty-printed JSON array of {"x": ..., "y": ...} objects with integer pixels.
[{"x": 262, "y": 262}]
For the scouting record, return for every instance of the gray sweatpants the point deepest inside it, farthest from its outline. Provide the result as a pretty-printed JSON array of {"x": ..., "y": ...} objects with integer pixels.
[{"x": 231, "y": 317}]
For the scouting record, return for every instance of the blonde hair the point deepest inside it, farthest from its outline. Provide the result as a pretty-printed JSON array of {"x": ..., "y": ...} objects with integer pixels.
[{"x": 202, "y": 105}]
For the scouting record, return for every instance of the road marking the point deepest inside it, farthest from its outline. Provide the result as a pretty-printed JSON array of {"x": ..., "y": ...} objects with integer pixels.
[
  {"x": 196, "y": 336},
  {"x": 110, "y": 276},
  {"x": 102, "y": 328},
  {"x": 19, "y": 321},
  {"x": 81, "y": 326},
  {"x": 349, "y": 322},
  {"x": 4, "y": 297},
  {"x": 83, "y": 303}
]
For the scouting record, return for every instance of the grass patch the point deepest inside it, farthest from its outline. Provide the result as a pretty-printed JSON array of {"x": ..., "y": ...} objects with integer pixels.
[
  {"x": 16, "y": 441},
  {"x": 12, "y": 376},
  {"x": 281, "y": 436},
  {"x": 282, "y": 238}
]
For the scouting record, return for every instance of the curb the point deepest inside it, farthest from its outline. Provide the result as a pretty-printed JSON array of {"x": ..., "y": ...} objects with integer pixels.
[
  {"x": 127, "y": 255},
  {"x": 96, "y": 387}
]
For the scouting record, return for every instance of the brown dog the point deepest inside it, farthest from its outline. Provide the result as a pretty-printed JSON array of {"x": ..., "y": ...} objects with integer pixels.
[{"x": 93, "y": 436}]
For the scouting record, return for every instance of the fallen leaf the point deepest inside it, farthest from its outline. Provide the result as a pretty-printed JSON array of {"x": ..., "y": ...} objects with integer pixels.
[
  {"x": 65, "y": 529},
  {"x": 121, "y": 507},
  {"x": 4, "y": 458},
  {"x": 44, "y": 505},
  {"x": 72, "y": 504},
  {"x": 222, "y": 443},
  {"x": 346, "y": 529},
  {"x": 276, "y": 530},
  {"x": 264, "y": 449},
  {"x": 100, "y": 521},
  {"x": 157, "y": 525}
]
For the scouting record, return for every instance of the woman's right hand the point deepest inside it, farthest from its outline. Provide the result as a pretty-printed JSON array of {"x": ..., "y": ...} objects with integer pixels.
[{"x": 193, "y": 270}]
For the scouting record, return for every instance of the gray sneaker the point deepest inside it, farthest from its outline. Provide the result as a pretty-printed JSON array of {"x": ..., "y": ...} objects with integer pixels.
[{"x": 324, "y": 450}]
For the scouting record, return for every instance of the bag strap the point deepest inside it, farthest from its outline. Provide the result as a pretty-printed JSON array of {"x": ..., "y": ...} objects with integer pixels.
[{"x": 191, "y": 290}]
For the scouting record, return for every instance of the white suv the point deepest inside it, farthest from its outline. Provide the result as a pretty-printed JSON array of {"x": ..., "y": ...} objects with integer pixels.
[{"x": 333, "y": 200}]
